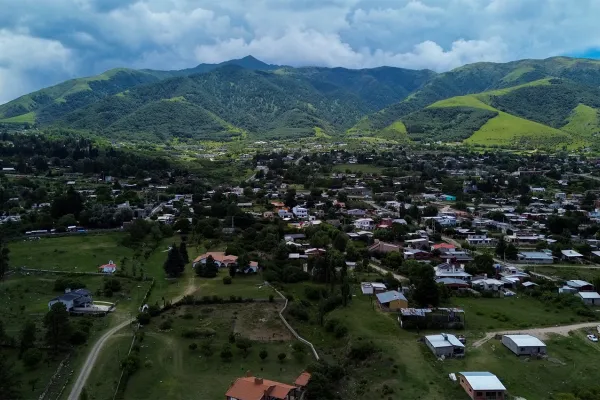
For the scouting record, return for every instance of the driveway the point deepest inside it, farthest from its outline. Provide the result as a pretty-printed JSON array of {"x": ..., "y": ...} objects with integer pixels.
[{"x": 385, "y": 271}]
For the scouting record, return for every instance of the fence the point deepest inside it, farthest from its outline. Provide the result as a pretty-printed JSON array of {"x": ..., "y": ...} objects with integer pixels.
[{"x": 289, "y": 327}]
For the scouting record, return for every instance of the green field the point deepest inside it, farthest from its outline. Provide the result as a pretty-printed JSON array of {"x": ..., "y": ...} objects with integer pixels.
[
  {"x": 247, "y": 287},
  {"x": 170, "y": 370},
  {"x": 73, "y": 253},
  {"x": 364, "y": 168},
  {"x": 21, "y": 119}
]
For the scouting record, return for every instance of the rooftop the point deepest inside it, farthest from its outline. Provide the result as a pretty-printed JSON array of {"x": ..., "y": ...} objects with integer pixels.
[
  {"x": 526, "y": 341},
  {"x": 483, "y": 381},
  {"x": 589, "y": 295},
  {"x": 444, "y": 340},
  {"x": 252, "y": 388},
  {"x": 387, "y": 297},
  {"x": 571, "y": 253}
]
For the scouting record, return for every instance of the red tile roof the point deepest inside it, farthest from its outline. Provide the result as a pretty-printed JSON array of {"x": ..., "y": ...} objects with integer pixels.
[
  {"x": 443, "y": 246},
  {"x": 217, "y": 256},
  {"x": 252, "y": 388},
  {"x": 303, "y": 379}
]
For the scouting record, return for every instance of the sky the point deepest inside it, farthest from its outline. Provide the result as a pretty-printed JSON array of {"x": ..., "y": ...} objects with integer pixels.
[{"x": 45, "y": 42}]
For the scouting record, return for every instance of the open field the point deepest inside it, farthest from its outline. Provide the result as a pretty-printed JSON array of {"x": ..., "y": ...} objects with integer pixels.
[
  {"x": 247, "y": 287},
  {"x": 169, "y": 369},
  {"x": 586, "y": 274},
  {"x": 75, "y": 253},
  {"x": 483, "y": 314}
]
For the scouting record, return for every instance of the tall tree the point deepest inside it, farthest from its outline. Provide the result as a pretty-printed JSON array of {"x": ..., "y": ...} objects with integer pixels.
[
  {"x": 27, "y": 337},
  {"x": 211, "y": 268},
  {"x": 345, "y": 285},
  {"x": 174, "y": 264},
  {"x": 183, "y": 251},
  {"x": 9, "y": 382},
  {"x": 4, "y": 258},
  {"x": 426, "y": 291},
  {"x": 58, "y": 328}
]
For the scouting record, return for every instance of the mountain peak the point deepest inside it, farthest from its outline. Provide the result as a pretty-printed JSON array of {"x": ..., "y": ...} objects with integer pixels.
[{"x": 250, "y": 62}]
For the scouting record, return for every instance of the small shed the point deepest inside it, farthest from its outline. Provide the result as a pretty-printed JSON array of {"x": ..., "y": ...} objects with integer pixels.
[
  {"x": 590, "y": 298},
  {"x": 392, "y": 300},
  {"x": 446, "y": 345},
  {"x": 524, "y": 345},
  {"x": 482, "y": 385}
]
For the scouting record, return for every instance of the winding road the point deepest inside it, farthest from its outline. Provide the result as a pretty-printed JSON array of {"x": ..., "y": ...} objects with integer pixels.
[{"x": 87, "y": 367}]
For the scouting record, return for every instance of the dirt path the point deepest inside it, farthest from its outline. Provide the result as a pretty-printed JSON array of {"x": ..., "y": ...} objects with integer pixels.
[
  {"x": 385, "y": 271},
  {"x": 190, "y": 289},
  {"x": 91, "y": 360},
  {"x": 540, "y": 333}
]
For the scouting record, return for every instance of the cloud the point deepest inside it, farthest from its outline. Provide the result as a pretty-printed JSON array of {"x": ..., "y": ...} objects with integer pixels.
[{"x": 43, "y": 43}]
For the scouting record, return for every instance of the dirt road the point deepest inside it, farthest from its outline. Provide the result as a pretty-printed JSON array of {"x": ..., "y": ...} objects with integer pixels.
[
  {"x": 91, "y": 360},
  {"x": 385, "y": 271},
  {"x": 540, "y": 333}
]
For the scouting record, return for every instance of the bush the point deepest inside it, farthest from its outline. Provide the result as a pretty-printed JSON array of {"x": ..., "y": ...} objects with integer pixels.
[
  {"x": 143, "y": 318},
  {"x": 193, "y": 346},
  {"x": 67, "y": 283},
  {"x": 206, "y": 349},
  {"x": 331, "y": 324},
  {"x": 362, "y": 350},
  {"x": 315, "y": 293},
  {"x": 299, "y": 312},
  {"x": 271, "y": 298},
  {"x": 340, "y": 331},
  {"x": 31, "y": 358},
  {"x": 263, "y": 354},
  {"x": 227, "y": 280},
  {"x": 112, "y": 284},
  {"x": 226, "y": 354},
  {"x": 187, "y": 316},
  {"x": 281, "y": 357},
  {"x": 148, "y": 364},
  {"x": 78, "y": 337},
  {"x": 166, "y": 325},
  {"x": 198, "y": 333}
]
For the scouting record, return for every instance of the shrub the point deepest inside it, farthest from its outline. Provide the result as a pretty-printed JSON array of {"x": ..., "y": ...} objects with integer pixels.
[
  {"x": 187, "y": 316},
  {"x": 271, "y": 298},
  {"x": 299, "y": 312},
  {"x": 193, "y": 346},
  {"x": 206, "y": 349},
  {"x": 331, "y": 324},
  {"x": 227, "y": 280},
  {"x": 263, "y": 354},
  {"x": 78, "y": 337},
  {"x": 226, "y": 354},
  {"x": 67, "y": 283},
  {"x": 362, "y": 350},
  {"x": 198, "y": 333},
  {"x": 315, "y": 293},
  {"x": 340, "y": 331},
  {"x": 281, "y": 357},
  {"x": 148, "y": 364},
  {"x": 143, "y": 318},
  {"x": 32, "y": 357},
  {"x": 166, "y": 325},
  {"x": 114, "y": 285}
]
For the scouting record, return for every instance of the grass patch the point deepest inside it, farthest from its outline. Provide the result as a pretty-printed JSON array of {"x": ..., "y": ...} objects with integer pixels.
[
  {"x": 247, "y": 287},
  {"x": 21, "y": 119},
  {"x": 74, "y": 253}
]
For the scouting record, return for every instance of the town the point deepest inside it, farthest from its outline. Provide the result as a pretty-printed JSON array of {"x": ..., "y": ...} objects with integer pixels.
[{"x": 308, "y": 271}]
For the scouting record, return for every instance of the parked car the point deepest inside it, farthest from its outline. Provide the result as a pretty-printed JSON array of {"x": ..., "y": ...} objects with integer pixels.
[{"x": 593, "y": 338}]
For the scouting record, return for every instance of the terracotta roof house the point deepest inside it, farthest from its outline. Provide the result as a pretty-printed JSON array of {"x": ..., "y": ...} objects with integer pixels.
[
  {"x": 383, "y": 247},
  {"x": 254, "y": 388},
  {"x": 109, "y": 268},
  {"x": 220, "y": 258},
  {"x": 440, "y": 246}
]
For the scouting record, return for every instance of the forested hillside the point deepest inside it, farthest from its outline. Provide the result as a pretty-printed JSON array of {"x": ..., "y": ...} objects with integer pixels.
[{"x": 534, "y": 103}]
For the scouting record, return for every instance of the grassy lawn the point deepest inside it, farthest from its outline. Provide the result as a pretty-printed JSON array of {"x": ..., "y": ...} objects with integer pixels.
[
  {"x": 364, "y": 168},
  {"x": 170, "y": 370},
  {"x": 104, "y": 378},
  {"x": 586, "y": 274},
  {"x": 77, "y": 253},
  {"x": 247, "y": 287},
  {"x": 568, "y": 367},
  {"x": 483, "y": 314}
]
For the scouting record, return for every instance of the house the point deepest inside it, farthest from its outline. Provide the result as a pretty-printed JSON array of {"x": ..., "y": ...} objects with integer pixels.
[
  {"x": 445, "y": 345},
  {"x": 590, "y": 298},
  {"x": 571, "y": 255},
  {"x": 535, "y": 257},
  {"x": 447, "y": 197},
  {"x": 221, "y": 260},
  {"x": 524, "y": 345},
  {"x": 254, "y": 388},
  {"x": 284, "y": 214},
  {"x": 580, "y": 286},
  {"x": 73, "y": 298},
  {"x": 392, "y": 300},
  {"x": 382, "y": 247},
  {"x": 364, "y": 224},
  {"x": 482, "y": 385},
  {"x": 416, "y": 254},
  {"x": 357, "y": 212},
  {"x": 453, "y": 283},
  {"x": 443, "y": 246},
  {"x": 480, "y": 240},
  {"x": 420, "y": 243},
  {"x": 315, "y": 252},
  {"x": 109, "y": 268},
  {"x": 372, "y": 287},
  {"x": 300, "y": 212},
  {"x": 488, "y": 284}
]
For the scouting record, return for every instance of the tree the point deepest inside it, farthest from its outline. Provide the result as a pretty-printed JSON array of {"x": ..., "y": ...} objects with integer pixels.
[
  {"x": 512, "y": 253},
  {"x": 174, "y": 264},
  {"x": 281, "y": 357},
  {"x": 298, "y": 351},
  {"x": 226, "y": 354},
  {"x": 31, "y": 358},
  {"x": 345, "y": 285},
  {"x": 58, "y": 328},
  {"x": 484, "y": 264},
  {"x": 27, "y": 337},
  {"x": 210, "y": 268},
  {"x": 340, "y": 242},
  {"x": 430, "y": 211},
  {"x": 4, "y": 258},
  {"x": 263, "y": 354},
  {"x": 426, "y": 291},
  {"x": 9, "y": 382},
  {"x": 183, "y": 252}
]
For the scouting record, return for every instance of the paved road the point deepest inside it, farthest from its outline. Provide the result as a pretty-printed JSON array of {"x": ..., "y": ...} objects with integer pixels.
[
  {"x": 385, "y": 271},
  {"x": 540, "y": 333},
  {"x": 91, "y": 360}
]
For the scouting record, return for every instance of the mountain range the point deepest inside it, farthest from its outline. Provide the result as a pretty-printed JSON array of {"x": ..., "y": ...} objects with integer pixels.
[{"x": 551, "y": 103}]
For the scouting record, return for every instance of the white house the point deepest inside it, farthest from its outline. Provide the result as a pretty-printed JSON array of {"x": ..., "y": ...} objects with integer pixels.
[
  {"x": 524, "y": 345},
  {"x": 488, "y": 284},
  {"x": 571, "y": 255},
  {"x": 535, "y": 257},
  {"x": 357, "y": 212},
  {"x": 285, "y": 214},
  {"x": 364, "y": 224},
  {"x": 300, "y": 212},
  {"x": 446, "y": 345},
  {"x": 480, "y": 240}
]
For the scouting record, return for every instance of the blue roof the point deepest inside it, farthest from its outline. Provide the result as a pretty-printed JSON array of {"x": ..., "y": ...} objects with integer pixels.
[{"x": 387, "y": 297}]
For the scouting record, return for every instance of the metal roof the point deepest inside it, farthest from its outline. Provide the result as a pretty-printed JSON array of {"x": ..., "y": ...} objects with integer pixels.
[
  {"x": 483, "y": 381},
  {"x": 589, "y": 295},
  {"x": 536, "y": 255},
  {"x": 577, "y": 283},
  {"x": 571, "y": 253},
  {"x": 444, "y": 340},
  {"x": 526, "y": 341},
  {"x": 387, "y": 297}
]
